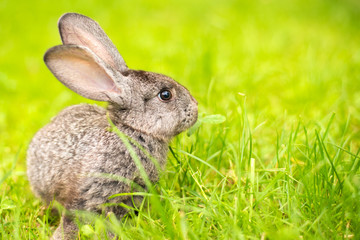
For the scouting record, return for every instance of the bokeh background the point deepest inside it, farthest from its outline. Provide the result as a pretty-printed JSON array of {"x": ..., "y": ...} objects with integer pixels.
[
  {"x": 294, "y": 61},
  {"x": 301, "y": 57}
]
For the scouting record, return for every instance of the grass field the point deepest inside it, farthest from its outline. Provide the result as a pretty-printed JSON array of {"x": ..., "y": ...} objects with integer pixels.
[{"x": 285, "y": 74}]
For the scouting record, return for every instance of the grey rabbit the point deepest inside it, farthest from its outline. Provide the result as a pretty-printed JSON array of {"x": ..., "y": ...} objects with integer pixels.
[{"x": 65, "y": 158}]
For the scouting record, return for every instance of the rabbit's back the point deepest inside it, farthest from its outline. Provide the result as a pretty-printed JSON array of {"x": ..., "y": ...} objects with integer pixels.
[{"x": 79, "y": 162}]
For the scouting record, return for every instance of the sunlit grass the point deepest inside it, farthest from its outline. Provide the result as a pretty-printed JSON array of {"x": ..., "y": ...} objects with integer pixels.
[{"x": 285, "y": 74}]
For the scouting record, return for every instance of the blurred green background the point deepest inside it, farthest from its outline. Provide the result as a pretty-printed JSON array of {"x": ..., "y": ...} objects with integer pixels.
[
  {"x": 298, "y": 57},
  {"x": 301, "y": 57},
  {"x": 292, "y": 59}
]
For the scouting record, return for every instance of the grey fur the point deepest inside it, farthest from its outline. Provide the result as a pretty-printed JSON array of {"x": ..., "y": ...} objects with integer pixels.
[{"x": 67, "y": 159}]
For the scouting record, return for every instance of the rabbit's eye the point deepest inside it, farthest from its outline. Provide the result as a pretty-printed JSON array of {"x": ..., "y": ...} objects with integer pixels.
[{"x": 165, "y": 95}]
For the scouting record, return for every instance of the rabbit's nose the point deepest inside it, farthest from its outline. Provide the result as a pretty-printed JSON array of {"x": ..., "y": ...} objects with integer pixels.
[{"x": 194, "y": 100}]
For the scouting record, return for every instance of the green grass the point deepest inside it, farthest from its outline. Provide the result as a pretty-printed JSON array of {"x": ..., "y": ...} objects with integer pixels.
[{"x": 284, "y": 164}]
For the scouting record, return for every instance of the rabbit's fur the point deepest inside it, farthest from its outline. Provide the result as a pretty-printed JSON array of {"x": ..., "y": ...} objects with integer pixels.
[{"x": 75, "y": 159}]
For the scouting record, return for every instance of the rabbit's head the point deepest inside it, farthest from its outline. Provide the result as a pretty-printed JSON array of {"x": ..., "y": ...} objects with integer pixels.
[{"x": 89, "y": 64}]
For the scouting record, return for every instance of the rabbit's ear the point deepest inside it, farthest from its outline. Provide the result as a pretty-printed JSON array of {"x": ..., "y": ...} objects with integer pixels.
[
  {"x": 80, "y": 30},
  {"x": 83, "y": 72}
]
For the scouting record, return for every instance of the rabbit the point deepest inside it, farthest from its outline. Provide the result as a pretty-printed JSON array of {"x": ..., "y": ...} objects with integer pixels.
[{"x": 65, "y": 158}]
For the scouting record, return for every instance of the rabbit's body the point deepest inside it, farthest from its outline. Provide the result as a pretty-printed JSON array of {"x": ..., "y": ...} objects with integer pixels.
[
  {"x": 79, "y": 162},
  {"x": 76, "y": 159}
]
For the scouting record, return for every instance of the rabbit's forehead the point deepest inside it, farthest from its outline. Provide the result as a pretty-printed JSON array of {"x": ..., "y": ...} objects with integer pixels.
[{"x": 153, "y": 79}]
